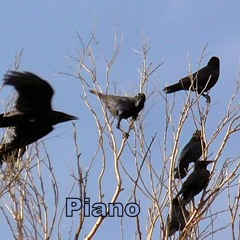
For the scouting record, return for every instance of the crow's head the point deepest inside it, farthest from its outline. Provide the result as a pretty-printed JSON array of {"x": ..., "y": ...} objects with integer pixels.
[
  {"x": 202, "y": 164},
  {"x": 140, "y": 99},
  {"x": 214, "y": 61}
]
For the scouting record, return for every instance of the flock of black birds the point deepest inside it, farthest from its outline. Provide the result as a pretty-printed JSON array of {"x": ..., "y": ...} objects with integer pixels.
[
  {"x": 201, "y": 82},
  {"x": 195, "y": 183},
  {"x": 34, "y": 118}
]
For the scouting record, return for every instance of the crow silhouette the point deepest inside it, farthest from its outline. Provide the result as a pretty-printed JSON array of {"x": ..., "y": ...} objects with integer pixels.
[
  {"x": 33, "y": 117},
  {"x": 195, "y": 183},
  {"x": 122, "y": 107},
  {"x": 190, "y": 153},
  {"x": 179, "y": 218},
  {"x": 201, "y": 81}
]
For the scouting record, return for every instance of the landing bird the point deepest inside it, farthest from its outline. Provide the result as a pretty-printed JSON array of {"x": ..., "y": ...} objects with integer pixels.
[
  {"x": 201, "y": 81},
  {"x": 33, "y": 117},
  {"x": 122, "y": 107},
  {"x": 195, "y": 183},
  {"x": 190, "y": 153},
  {"x": 179, "y": 218}
]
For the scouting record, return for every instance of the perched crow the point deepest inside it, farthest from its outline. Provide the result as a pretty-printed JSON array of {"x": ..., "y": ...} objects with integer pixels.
[
  {"x": 179, "y": 218},
  {"x": 190, "y": 153},
  {"x": 195, "y": 183},
  {"x": 34, "y": 117},
  {"x": 201, "y": 81},
  {"x": 122, "y": 107}
]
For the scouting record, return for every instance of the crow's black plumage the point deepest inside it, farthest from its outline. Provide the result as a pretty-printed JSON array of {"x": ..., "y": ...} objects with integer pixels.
[
  {"x": 201, "y": 81},
  {"x": 33, "y": 117},
  {"x": 122, "y": 107},
  {"x": 190, "y": 153},
  {"x": 179, "y": 218},
  {"x": 195, "y": 183}
]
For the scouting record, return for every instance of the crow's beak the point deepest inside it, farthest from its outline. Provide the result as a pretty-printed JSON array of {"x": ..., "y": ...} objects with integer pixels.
[{"x": 72, "y": 117}]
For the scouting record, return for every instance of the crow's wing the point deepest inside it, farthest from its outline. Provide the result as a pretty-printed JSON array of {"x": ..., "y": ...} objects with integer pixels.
[
  {"x": 34, "y": 94},
  {"x": 194, "y": 184},
  {"x": 125, "y": 104},
  {"x": 116, "y": 104},
  {"x": 204, "y": 79}
]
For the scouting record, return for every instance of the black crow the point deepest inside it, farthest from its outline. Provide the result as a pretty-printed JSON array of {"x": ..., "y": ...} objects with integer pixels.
[
  {"x": 33, "y": 117},
  {"x": 179, "y": 218},
  {"x": 195, "y": 183},
  {"x": 190, "y": 153},
  {"x": 201, "y": 81},
  {"x": 122, "y": 107}
]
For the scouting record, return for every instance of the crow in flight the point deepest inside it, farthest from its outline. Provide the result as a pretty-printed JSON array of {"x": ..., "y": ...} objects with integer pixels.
[
  {"x": 190, "y": 153},
  {"x": 195, "y": 183},
  {"x": 201, "y": 81},
  {"x": 179, "y": 218},
  {"x": 33, "y": 117},
  {"x": 122, "y": 107}
]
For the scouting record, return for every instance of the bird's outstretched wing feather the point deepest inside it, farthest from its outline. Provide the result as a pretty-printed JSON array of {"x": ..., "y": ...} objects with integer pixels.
[{"x": 34, "y": 93}]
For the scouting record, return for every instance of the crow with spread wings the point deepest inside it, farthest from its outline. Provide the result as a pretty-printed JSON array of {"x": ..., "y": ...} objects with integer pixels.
[
  {"x": 122, "y": 107},
  {"x": 34, "y": 117}
]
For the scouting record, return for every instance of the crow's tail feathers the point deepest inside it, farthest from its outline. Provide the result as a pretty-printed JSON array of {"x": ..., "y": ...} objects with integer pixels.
[{"x": 173, "y": 88}]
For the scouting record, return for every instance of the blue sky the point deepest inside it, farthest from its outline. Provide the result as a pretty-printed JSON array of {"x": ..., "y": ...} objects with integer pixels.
[{"x": 177, "y": 31}]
